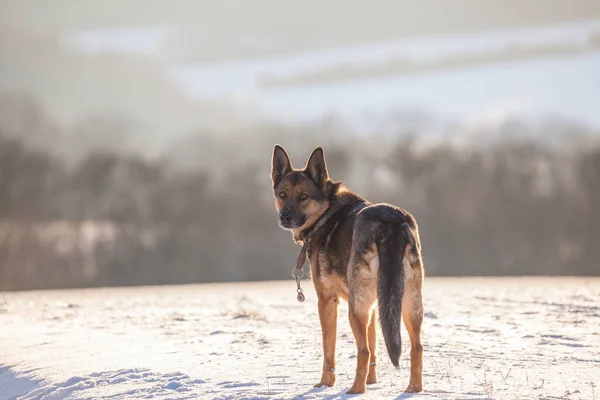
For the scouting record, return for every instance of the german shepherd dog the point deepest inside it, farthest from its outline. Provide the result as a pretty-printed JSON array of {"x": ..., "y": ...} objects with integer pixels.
[{"x": 362, "y": 252}]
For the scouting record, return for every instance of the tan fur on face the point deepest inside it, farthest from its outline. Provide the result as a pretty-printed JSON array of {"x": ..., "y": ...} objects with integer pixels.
[{"x": 311, "y": 208}]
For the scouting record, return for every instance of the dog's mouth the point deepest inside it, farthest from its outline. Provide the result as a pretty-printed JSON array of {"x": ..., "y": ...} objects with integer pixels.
[{"x": 292, "y": 224}]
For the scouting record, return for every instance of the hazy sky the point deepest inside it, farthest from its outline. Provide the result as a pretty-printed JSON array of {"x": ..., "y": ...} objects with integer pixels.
[
  {"x": 217, "y": 27},
  {"x": 224, "y": 50}
]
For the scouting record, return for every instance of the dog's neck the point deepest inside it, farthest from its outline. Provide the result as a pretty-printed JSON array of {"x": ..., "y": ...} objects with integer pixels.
[
  {"x": 305, "y": 235},
  {"x": 340, "y": 199}
]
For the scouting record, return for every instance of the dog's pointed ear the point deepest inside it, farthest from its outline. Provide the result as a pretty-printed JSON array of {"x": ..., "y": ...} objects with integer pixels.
[
  {"x": 280, "y": 164},
  {"x": 316, "y": 167}
]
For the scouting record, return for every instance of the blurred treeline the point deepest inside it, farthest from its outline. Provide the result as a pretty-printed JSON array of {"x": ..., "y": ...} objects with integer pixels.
[{"x": 520, "y": 200}]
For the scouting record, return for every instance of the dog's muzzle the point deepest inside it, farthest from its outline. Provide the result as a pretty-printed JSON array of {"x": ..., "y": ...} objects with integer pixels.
[{"x": 287, "y": 221}]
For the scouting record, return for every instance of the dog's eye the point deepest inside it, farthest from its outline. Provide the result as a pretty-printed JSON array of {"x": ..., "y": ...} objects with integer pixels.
[
  {"x": 282, "y": 195},
  {"x": 303, "y": 197}
]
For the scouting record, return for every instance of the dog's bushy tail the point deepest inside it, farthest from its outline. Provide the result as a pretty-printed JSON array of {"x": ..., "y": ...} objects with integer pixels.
[{"x": 390, "y": 284}]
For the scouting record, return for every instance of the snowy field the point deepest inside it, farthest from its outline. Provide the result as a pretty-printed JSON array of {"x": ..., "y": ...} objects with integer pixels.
[{"x": 513, "y": 338}]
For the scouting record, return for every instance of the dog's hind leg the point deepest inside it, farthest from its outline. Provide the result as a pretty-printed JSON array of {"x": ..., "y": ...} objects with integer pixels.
[
  {"x": 412, "y": 314},
  {"x": 359, "y": 320},
  {"x": 328, "y": 314},
  {"x": 372, "y": 376},
  {"x": 362, "y": 296}
]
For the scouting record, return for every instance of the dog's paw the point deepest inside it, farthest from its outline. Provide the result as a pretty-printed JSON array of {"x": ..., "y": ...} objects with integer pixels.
[
  {"x": 413, "y": 388},
  {"x": 327, "y": 379},
  {"x": 371, "y": 379},
  {"x": 329, "y": 383},
  {"x": 356, "y": 389}
]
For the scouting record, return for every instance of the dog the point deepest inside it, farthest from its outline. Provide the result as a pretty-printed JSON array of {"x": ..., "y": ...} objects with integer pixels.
[{"x": 367, "y": 254}]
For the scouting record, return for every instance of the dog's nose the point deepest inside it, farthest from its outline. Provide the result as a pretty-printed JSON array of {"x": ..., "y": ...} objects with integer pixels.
[{"x": 285, "y": 218}]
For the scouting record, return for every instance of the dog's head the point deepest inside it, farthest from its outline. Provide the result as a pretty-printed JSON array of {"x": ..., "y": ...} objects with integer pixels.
[{"x": 301, "y": 195}]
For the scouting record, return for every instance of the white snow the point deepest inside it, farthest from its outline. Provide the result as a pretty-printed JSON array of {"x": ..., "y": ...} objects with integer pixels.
[{"x": 501, "y": 338}]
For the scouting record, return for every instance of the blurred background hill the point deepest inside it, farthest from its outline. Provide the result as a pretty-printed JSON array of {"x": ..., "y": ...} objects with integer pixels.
[{"x": 136, "y": 136}]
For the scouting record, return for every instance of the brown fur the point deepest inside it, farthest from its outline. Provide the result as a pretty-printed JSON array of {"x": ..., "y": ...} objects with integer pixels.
[{"x": 367, "y": 254}]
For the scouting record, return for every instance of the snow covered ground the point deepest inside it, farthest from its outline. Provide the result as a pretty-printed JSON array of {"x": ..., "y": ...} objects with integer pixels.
[{"x": 502, "y": 338}]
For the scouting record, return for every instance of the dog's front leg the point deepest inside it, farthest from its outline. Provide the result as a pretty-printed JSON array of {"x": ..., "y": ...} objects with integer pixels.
[{"x": 328, "y": 315}]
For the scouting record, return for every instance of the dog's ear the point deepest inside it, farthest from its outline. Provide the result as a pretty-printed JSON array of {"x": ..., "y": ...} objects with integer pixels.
[
  {"x": 316, "y": 167},
  {"x": 280, "y": 164}
]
